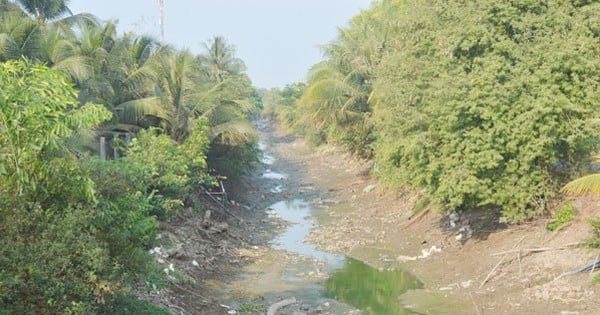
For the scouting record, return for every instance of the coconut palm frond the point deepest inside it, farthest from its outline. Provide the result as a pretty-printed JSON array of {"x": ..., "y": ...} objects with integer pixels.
[
  {"x": 135, "y": 111},
  {"x": 79, "y": 68},
  {"x": 589, "y": 184},
  {"x": 76, "y": 19},
  {"x": 233, "y": 133},
  {"x": 9, "y": 49}
]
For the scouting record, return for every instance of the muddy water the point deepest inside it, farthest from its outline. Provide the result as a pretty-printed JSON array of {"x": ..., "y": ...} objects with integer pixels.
[{"x": 318, "y": 278}]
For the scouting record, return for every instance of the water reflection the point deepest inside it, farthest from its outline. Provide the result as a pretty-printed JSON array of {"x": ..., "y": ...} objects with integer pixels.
[
  {"x": 371, "y": 290},
  {"x": 273, "y": 175},
  {"x": 298, "y": 213}
]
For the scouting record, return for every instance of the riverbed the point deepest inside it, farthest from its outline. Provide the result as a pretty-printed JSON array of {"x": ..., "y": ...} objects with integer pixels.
[{"x": 290, "y": 266}]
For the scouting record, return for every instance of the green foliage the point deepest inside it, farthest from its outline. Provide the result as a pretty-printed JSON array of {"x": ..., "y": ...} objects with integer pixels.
[
  {"x": 282, "y": 105},
  {"x": 52, "y": 264},
  {"x": 194, "y": 149},
  {"x": 253, "y": 307},
  {"x": 73, "y": 232},
  {"x": 595, "y": 240},
  {"x": 562, "y": 216},
  {"x": 38, "y": 111},
  {"x": 125, "y": 218},
  {"x": 421, "y": 205},
  {"x": 128, "y": 304},
  {"x": 51, "y": 260},
  {"x": 486, "y": 103},
  {"x": 589, "y": 184},
  {"x": 234, "y": 160},
  {"x": 163, "y": 168}
]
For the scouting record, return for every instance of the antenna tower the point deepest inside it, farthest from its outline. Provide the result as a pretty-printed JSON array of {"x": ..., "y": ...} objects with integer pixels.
[{"x": 161, "y": 19}]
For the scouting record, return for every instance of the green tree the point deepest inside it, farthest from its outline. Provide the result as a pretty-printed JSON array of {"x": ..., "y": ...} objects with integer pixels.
[
  {"x": 44, "y": 10},
  {"x": 486, "y": 104},
  {"x": 51, "y": 261},
  {"x": 20, "y": 36},
  {"x": 38, "y": 111},
  {"x": 219, "y": 60},
  {"x": 337, "y": 99}
]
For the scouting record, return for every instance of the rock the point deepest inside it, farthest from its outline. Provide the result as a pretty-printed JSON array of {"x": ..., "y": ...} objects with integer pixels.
[
  {"x": 369, "y": 188},
  {"x": 466, "y": 284},
  {"x": 177, "y": 253}
]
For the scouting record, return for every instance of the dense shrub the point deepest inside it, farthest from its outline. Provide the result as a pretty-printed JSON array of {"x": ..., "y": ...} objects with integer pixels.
[
  {"x": 485, "y": 104},
  {"x": 50, "y": 258}
]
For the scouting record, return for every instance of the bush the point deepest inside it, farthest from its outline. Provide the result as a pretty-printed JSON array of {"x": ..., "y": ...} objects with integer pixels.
[
  {"x": 486, "y": 104},
  {"x": 53, "y": 263},
  {"x": 232, "y": 161},
  {"x": 125, "y": 211}
]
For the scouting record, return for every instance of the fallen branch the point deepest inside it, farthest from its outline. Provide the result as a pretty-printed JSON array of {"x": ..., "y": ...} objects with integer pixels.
[
  {"x": 223, "y": 207},
  {"x": 537, "y": 249},
  {"x": 416, "y": 219},
  {"x": 273, "y": 308},
  {"x": 487, "y": 278}
]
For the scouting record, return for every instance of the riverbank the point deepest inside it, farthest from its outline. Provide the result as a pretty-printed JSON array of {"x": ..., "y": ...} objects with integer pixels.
[
  {"x": 243, "y": 271},
  {"x": 461, "y": 275}
]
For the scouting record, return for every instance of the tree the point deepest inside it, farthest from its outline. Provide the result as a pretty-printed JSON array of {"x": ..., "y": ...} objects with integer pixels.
[
  {"x": 219, "y": 60},
  {"x": 485, "y": 105},
  {"x": 44, "y": 10},
  {"x": 20, "y": 36},
  {"x": 37, "y": 112},
  {"x": 51, "y": 261},
  {"x": 336, "y": 101}
]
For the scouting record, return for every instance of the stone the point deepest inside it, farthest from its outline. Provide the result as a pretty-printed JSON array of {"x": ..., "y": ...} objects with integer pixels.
[{"x": 369, "y": 188}]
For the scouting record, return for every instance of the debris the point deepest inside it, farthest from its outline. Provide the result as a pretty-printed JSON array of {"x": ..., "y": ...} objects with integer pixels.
[
  {"x": 454, "y": 218},
  {"x": 427, "y": 252},
  {"x": 464, "y": 233},
  {"x": 589, "y": 267},
  {"x": 273, "y": 308}
]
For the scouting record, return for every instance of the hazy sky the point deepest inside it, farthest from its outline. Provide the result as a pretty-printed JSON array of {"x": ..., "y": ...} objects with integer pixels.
[{"x": 277, "y": 39}]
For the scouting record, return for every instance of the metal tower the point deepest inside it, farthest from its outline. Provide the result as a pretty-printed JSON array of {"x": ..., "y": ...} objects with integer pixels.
[{"x": 161, "y": 19}]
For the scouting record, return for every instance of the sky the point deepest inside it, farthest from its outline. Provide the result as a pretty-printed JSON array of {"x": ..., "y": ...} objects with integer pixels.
[{"x": 277, "y": 39}]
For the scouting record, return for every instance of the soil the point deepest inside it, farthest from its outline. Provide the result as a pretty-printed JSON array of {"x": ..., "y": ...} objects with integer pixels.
[{"x": 460, "y": 257}]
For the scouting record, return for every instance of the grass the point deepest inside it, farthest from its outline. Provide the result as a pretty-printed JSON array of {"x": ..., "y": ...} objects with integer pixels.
[{"x": 562, "y": 216}]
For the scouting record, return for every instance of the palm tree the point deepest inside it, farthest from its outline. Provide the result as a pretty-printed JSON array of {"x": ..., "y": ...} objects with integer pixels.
[
  {"x": 54, "y": 10},
  {"x": 172, "y": 102},
  {"x": 220, "y": 59},
  {"x": 44, "y": 10},
  {"x": 20, "y": 36}
]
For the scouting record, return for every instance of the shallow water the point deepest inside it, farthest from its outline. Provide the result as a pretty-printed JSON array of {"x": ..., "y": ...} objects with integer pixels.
[
  {"x": 298, "y": 213},
  {"x": 273, "y": 175},
  {"x": 366, "y": 288},
  {"x": 350, "y": 282}
]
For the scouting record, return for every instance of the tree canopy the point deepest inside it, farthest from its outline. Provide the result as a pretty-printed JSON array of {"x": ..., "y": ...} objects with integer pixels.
[{"x": 481, "y": 104}]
